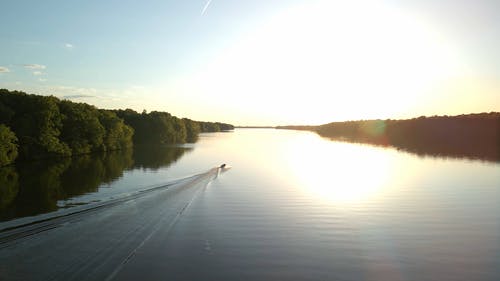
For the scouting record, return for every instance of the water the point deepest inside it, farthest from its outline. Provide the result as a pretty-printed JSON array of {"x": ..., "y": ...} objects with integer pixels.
[
  {"x": 296, "y": 206},
  {"x": 30, "y": 189}
]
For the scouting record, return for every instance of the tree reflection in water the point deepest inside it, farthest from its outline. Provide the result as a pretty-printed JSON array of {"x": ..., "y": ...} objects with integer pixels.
[{"x": 32, "y": 188}]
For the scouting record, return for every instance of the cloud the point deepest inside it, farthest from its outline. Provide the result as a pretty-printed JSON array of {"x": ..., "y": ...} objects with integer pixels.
[
  {"x": 206, "y": 7},
  {"x": 126, "y": 97},
  {"x": 37, "y": 73},
  {"x": 69, "y": 46},
  {"x": 34, "y": 66},
  {"x": 68, "y": 92},
  {"x": 42, "y": 79},
  {"x": 69, "y": 97},
  {"x": 4, "y": 69}
]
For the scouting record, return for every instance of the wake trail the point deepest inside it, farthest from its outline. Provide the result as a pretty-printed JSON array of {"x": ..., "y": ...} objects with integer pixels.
[{"x": 25, "y": 228}]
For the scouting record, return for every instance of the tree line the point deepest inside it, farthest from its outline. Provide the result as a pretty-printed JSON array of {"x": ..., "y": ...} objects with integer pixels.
[
  {"x": 162, "y": 128},
  {"x": 475, "y": 136},
  {"x": 34, "y": 126}
]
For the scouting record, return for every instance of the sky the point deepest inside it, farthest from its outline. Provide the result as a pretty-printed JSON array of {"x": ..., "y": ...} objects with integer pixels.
[{"x": 258, "y": 62}]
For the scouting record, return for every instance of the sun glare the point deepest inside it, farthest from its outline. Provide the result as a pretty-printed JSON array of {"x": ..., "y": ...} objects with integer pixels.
[
  {"x": 339, "y": 173},
  {"x": 329, "y": 60}
]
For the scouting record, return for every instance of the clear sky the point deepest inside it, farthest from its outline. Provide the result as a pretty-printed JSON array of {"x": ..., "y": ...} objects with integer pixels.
[{"x": 258, "y": 62}]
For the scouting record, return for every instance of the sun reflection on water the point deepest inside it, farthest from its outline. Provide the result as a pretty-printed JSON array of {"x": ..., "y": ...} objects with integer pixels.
[{"x": 340, "y": 173}]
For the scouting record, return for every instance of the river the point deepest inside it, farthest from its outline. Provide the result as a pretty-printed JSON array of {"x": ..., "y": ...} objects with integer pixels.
[{"x": 292, "y": 206}]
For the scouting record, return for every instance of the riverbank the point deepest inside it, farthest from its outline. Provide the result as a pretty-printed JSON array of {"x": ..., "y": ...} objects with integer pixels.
[
  {"x": 474, "y": 136},
  {"x": 36, "y": 127}
]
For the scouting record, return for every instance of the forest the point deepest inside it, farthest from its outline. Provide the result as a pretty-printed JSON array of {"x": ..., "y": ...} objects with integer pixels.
[
  {"x": 475, "y": 136},
  {"x": 34, "y": 127}
]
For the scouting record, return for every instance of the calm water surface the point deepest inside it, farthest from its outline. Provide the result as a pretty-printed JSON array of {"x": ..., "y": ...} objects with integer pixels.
[{"x": 296, "y": 206}]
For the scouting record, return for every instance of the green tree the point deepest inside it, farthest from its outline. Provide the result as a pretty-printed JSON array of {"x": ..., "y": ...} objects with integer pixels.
[
  {"x": 46, "y": 126},
  {"x": 82, "y": 130},
  {"x": 8, "y": 145},
  {"x": 209, "y": 127},
  {"x": 118, "y": 135},
  {"x": 36, "y": 123},
  {"x": 180, "y": 130},
  {"x": 192, "y": 130}
]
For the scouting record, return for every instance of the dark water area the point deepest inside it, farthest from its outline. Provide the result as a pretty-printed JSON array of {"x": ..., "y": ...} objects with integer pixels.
[
  {"x": 443, "y": 149},
  {"x": 32, "y": 188}
]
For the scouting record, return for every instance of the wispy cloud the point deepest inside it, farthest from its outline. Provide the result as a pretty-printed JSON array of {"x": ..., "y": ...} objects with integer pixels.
[
  {"x": 69, "y": 46},
  {"x": 4, "y": 69},
  {"x": 69, "y": 97},
  {"x": 206, "y": 7},
  {"x": 69, "y": 92},
  {"x": 34, "y": 66},
  {"x": 42, "y": 79},
  {"x": 37, "y": 73},
  {"x": 126, "y": 97}
]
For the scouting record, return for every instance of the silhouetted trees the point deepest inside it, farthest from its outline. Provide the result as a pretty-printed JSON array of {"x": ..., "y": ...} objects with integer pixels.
[
  {"x": 473, "y": 135},
  {"x": 208, "y": 127},
  {"x": 33, "y": 126}
]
